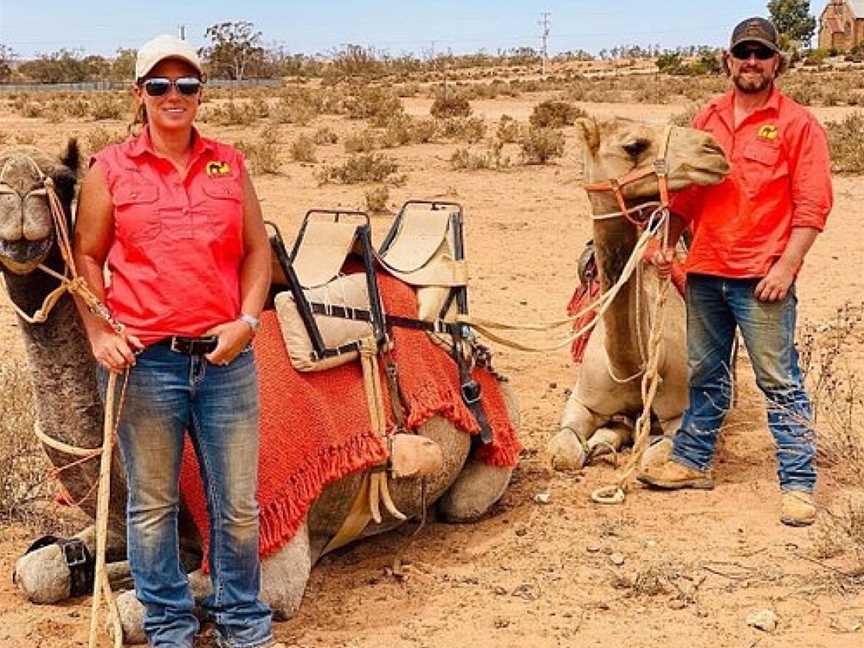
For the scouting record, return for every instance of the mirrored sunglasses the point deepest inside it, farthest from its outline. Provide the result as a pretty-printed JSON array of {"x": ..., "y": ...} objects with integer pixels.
[
  {"x": 159, "y": 86},
  {"x": 744, "y": 52}
]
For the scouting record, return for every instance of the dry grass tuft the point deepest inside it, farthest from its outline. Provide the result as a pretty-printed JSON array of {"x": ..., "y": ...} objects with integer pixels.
[
  {"x": 325, "y": 135},
  {"x": 846, "y": 139},
  {"x": 842, "y": 531},
  {"x": 303, "y": 149},
  {"x": 463, "y": 129},
  {"x": 365, "y": 167},
  {"x": 555, "y": 114},
  {"x": 449, "y": 106},
  {"x": 230, "y": 113},
  {"x": 376, "y": 199},
  {"x": 540, "y": 145},
  {"x": 24, "y": 469},
  {"x": 108, "y": 106},
  {"x": 491, "y": 158},
  {"x": 509, "y": 130},
  {"x": 363, "y": 141},
  {"x": 262, "y": 154},
  {"x": 378, "y": 105},
  {"x": 100, "y": 137},
  {"x": 685, "y": 118},
  {"x": 835, "y": 390}
]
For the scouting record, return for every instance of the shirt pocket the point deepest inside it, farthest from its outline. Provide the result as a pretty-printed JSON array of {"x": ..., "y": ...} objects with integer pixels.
[
  {"x": 223, "y": 210},
  {"x": 764, "y": 169},
  {"x": 135, "y": 212}
]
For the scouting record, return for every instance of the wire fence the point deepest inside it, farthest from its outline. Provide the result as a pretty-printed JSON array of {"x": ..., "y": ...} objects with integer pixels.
[{"x": 106, "y": 86}]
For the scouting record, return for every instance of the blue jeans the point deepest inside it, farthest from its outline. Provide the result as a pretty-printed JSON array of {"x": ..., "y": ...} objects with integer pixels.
[
  {"x": 715, "y": 307},
  {"x": 168, "y": 394}
]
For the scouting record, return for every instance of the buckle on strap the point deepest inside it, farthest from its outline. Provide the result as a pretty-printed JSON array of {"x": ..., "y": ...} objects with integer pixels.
[
  {"x": 471, "y": 392},
  {"x": 75, "y": 552},
  {"x": 661, "y": 167}
]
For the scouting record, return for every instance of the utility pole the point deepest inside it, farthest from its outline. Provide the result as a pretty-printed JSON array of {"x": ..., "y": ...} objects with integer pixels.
[
  {"x": 182, "y": 30},
  {"x": 545, "y": 25}
]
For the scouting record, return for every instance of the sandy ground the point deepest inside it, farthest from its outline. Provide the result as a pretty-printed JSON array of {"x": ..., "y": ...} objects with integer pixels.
[{"x": 695, "y": 565}]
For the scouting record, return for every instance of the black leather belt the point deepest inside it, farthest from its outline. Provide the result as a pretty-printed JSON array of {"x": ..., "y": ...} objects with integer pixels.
[{"x": 190, "y": 345}]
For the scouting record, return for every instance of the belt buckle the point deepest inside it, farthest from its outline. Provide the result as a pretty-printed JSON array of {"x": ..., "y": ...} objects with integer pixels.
[
  {"x": 470, "y": 392},
  {"x": 75, "y": 553}
]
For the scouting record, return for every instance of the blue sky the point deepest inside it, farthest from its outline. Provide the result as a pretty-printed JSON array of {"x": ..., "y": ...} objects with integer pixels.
[{"x": 100, "y": 27}]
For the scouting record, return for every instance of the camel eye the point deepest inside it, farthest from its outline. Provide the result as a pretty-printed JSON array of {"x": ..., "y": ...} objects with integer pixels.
[{"x": 637, "y": 148}]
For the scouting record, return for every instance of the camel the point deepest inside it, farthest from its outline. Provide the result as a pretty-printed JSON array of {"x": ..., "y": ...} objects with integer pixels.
[
  {"x": 68, "y": 409},
  {"x": 606, "y": 398}
]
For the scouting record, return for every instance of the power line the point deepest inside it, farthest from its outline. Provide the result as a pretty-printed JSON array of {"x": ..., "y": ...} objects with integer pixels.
[{"x": 545, "y": 26}]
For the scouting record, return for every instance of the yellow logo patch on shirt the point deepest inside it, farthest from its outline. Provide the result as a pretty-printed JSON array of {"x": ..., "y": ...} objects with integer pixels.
[
  {"x": 217, "y": 168},
  {"x": 768, "y": 132}
]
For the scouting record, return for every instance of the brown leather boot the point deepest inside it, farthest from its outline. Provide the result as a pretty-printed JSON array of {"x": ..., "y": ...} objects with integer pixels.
[
  {"x": 671, "y": 475},
  {"x": 799, "y": 509}
]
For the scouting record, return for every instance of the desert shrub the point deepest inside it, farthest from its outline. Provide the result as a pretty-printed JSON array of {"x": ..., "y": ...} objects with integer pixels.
[
  {"x": 363, "y": 141},
  {"x": 539, "y": 145},
  {"x": 107, "y": 106},
  {"x": 23, "y": 466},
  {"x": 376, "y": 199},
  {"x": 835, "y": 391},
  {"x": 842, "y": 530},
  {"x": 100, "y": 137},
  {"x": 491, "y": 158},
  {"x": 399, "y": 131},
  {"x": 303, "y": 149},
  {"x": 365, "y": 167},
  {"x": 70, "y": 107},
  {"x": 450, "y": 105},
  {"x": 378, "y": 105},
  {"x": 325, "y": 135},
  {"x": 230, "y": 113},
  {"x": 509, "y": 130},
  {"x": 846, "y": 139},
  {"x": 295, "y": 106},
  {"x": 555, "y": 114},
  {"x": 30, "y": 109},
  {"x": 262, "y": 154},
  {"x": 423, "y": 130},
  {"x": 685, "y": 117},
  {"x": 466, "y": 129},
  {"x": 259, "y": 106}
]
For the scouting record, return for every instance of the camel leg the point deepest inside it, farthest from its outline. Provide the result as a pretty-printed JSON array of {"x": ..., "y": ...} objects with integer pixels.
[
  {"x": 283, "y": 582},
  {"x": 609, "y": 438},
  {"x": 474, "y": 492},
  {"x": 43, "y": 576},
  {"x": 660, "y": 449},
  {"x": 567, "y": 448}
]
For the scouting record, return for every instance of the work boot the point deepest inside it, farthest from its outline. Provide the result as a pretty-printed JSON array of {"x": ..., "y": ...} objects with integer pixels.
[
  {"x": 799, "y": 509},
  {"x": 672, "y": 475}
]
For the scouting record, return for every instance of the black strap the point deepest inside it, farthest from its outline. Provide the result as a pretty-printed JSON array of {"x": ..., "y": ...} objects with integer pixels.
[
  {"x": 82, "y": 566},
  {"x": 471, "y": 391}
]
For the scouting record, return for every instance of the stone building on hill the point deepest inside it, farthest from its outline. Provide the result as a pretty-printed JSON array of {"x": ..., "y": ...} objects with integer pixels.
[{"x": 841, "y": 25}]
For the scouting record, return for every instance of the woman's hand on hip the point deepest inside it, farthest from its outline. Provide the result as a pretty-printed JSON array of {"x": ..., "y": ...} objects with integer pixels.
[
  {"x": 115, "y": 351},
  {"x": 233, "y": 337}
]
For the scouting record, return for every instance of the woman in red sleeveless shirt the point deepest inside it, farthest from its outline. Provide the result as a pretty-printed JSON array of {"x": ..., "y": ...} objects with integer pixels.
[{"x": 176, "y": 220}]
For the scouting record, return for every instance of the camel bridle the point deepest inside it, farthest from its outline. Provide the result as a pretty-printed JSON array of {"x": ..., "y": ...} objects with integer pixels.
[
  {"x": 658, "y": 168},
  {"x": 70, "y": 280}
]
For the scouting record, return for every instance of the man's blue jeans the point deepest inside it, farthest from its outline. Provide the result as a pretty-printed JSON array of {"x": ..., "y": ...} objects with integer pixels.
[
  {"x": 715, "y": 307},
  {"x": 168, "y": 394}
]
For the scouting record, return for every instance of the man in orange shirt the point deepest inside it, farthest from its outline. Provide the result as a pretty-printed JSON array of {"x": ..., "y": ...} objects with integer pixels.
[{"x": 750, "y": 236}]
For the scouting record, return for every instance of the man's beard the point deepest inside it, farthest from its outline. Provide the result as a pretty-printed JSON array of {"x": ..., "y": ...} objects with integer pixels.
[{"x": 752, "y": 85}]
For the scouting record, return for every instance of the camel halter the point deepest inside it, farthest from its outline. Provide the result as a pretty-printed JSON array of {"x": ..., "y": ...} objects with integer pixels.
[
  {"x": 659, "y": 168},
  {"x": 71, "y": 282}
]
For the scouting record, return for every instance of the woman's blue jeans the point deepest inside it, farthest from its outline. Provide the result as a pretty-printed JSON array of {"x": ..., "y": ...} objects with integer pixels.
[
  {"x": 716, "y": 306},
  {"x": 168, "y": 394}
]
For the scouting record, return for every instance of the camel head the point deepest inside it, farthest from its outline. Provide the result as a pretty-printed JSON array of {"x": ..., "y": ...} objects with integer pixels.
[
  {"x": 26, "y": 227},
  {"x": 616, "y": 147}
]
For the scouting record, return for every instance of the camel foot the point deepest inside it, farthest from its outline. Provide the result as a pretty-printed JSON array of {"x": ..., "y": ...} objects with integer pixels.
[
  {"x": 131, "y": 618},
  {"x": 566, "y": 451},
  {"x": 43, "y": 576},
  {"x": 608, "y": 440},
  {"x": 474, "y": 492}
]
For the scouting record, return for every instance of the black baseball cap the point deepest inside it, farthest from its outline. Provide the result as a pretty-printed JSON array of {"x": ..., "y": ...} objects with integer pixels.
[{"x": 755, "y": 30}]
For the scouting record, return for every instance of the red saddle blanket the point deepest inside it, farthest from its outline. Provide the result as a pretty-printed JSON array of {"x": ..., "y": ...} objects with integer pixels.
[{"x": 315, "y": 427}]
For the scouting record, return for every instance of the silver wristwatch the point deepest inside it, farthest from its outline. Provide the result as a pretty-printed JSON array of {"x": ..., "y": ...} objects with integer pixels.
[{"x": 253, "y": 322}]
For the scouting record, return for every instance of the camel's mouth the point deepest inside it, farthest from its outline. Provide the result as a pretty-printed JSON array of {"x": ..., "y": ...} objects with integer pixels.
[{"x": 22, "y": 256}]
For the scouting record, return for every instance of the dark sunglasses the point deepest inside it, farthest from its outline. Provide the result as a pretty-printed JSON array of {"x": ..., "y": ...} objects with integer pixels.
[
  {"x": 744, "y": 52},
  {"x": 159, "y": 86}
]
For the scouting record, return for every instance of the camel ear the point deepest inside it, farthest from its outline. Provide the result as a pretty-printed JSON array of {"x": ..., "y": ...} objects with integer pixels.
[
  {"x": 71, "y": 157},
  {"x": 589, "y": 132}
]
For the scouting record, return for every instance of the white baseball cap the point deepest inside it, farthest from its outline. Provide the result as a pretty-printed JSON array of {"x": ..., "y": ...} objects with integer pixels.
[{"x": 161, "y": 48}]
